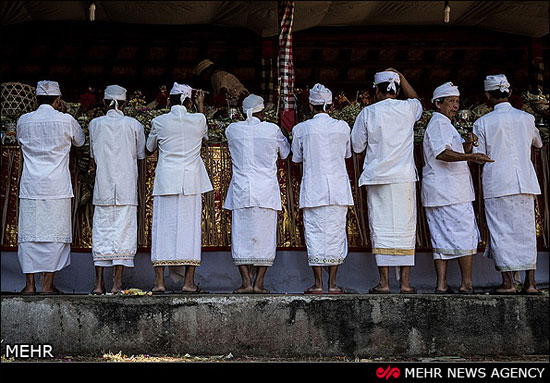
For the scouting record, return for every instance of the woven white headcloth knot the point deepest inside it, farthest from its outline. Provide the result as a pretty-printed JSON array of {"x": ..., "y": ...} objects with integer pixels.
[
  {"x": 498, "y": 81},
  {"x": 47, "y": 88},
  {"x": 320, "y": 95},
  {"x": 387, "y": 76},
  {"x": 445, "y": 90},
  {"x": 115, "y": 93},
  {"x": 252, "y": 104},
  {"x": 183, "y": 89}
]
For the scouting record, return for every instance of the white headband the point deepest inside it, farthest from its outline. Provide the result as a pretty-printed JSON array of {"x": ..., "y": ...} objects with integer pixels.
[
  {"x": 320, "y": 95},
  {"x": 183, "y": 89},
  {"x": 387, "y": 76},
  {"x": 47, "y": 88},
  {"x": 445, "y": 90},
  {"x": 115, "y": 93},
  {"x": 498, "y": 81},
  {"x": 252, "y": 104}
]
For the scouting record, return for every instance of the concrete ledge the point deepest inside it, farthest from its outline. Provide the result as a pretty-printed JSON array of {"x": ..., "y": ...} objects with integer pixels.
[{"x": 280, "y": 325}]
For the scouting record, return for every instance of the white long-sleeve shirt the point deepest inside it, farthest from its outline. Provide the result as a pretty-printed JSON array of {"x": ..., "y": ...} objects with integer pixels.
[
  {"x": 323, "y": 143},
  {"x": 46, "y": 136},
  {"x": 386, "y": 130},
  {"x": 179, "y": 135},
  {"x": 255, "y": 147},
  {"x": 116, "y": 143},
  {"x": 506, "y": 135},
  {"x": 444, "y": 183}
]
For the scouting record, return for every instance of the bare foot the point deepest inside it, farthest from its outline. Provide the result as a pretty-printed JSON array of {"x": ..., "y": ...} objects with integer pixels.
[
  {"x": 379, "y": 289},
  {"x": 258, "y": 290},
  {"x": 157, "y": 289},
  {"x": 98, "y": 290},
  {"x": 28, "y": 291},
  {"x": 314, "y": 290},
  {"x": 244, "y": 290},
  {"x": 336, "y": 290}
]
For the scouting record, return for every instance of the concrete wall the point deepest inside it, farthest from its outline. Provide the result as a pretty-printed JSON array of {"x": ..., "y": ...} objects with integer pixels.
[
  {"x": 289, "y": 274},
  {"x": 280, "y": 325}
]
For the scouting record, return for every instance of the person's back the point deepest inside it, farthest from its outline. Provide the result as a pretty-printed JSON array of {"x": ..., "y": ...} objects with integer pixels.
[
  {"x": 116, "y": 143},
  {"x": 180, "y": 168},
  {"x": 46, "y": 136},
  {"x": 389, "y": 129},
  {"x": 506, "y": 135},
  {"x": 255, "y": 147},
  {"x": 323, "y": 144}
]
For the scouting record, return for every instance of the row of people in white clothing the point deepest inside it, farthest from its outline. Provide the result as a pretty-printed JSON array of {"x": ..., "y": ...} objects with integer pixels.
[{"x": 384, "y": 129}]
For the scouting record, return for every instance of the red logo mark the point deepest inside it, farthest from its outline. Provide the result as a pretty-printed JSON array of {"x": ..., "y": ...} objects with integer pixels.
[{"x": 388, "y": 372}]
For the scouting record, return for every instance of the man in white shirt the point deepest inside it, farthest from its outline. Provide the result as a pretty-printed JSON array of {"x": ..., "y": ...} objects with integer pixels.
[
  {"x": 448, "y": 192},
  {"x": 45, "y": 189},
  {"x": 509, "y": 185},
  {"x": 385, "y": 129},
  {"x": 117, "y": 142},
  {"x": 180, "y": 178},
  {"x": 254, "y": 195},
  {"x": 323, "y": 143}
]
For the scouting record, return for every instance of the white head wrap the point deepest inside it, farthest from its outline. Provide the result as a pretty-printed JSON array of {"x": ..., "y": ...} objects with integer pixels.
[
  {"x": 47, "y": 88},
  {"x": 115, "y": 93},
  {"x": 252, "y": 104},
  {"x": 498, "y": 81},
  {"x": 445, "y": 90},
  {"x": 320, "y": 95},
  {"x": 202, "y": 66},
  {"x": 387, "y": 76},
  {"x": 183, "y": 89}
]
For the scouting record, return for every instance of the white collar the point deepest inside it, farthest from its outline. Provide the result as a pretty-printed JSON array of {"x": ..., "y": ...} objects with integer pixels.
[
  {"x": 113, "y": 113},
  {"x": 179, "y": 108},
  {"x": 253, "y": 121},
  {"x": 45, "y": 106},
  {"x": 440, "y": 115},
  {"x": 324, "y": 114},
  {"x": 502, "y": 105}
]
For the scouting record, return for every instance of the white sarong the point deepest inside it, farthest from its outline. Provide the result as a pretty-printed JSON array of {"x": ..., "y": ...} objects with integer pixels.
[
  {"x": 253, "y": 236},
  {"x": 325, "y": 234},
  {"x": 453, "y": 230},
  {"x": 44, "y": 235},
  {"x": 392, "y": 223},
  {"x": 114, "y": 235},
  {"x": 512, "y": 241},
  {"x": 176, "y": 230}
]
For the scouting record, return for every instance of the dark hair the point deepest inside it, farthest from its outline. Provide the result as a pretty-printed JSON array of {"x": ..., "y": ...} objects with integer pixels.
[
  {"x": 46, "y": 99},
  {"x": 498, "y": 94},
  {"x": 175, "y": 99},
  {"x": 108, "y": 101},
  {"x": 319, "y": 108},
  {"x": 383, "y": 86}
]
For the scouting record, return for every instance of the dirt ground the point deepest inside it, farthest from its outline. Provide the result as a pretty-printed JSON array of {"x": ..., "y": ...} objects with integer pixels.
[{"x": 119, "y": 357}]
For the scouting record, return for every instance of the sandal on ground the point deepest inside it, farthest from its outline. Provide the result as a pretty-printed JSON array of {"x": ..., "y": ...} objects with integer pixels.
[
  {"x": 374, "y": 290},
  {"x": 338, "y": 290},
  {"x": 198, "y": 290},
  {"x": 447, "y": 291},
  {"x": 537, "y": 292},
  {"x": 412, "y": 291},
  {"x": 495, "y": 292},
  {"x": 310, "y": 291},
  {"x": 55, "y": 291},
  {"x": 23, "y": 292},
  {"x": 466, "y": 292}
]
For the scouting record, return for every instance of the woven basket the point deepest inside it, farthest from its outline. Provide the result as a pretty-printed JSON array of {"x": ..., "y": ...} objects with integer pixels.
[{"x": 17, "y": 98}]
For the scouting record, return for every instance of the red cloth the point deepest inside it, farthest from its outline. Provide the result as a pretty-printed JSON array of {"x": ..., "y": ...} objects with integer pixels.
[{"x": 87, "y": 100}]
